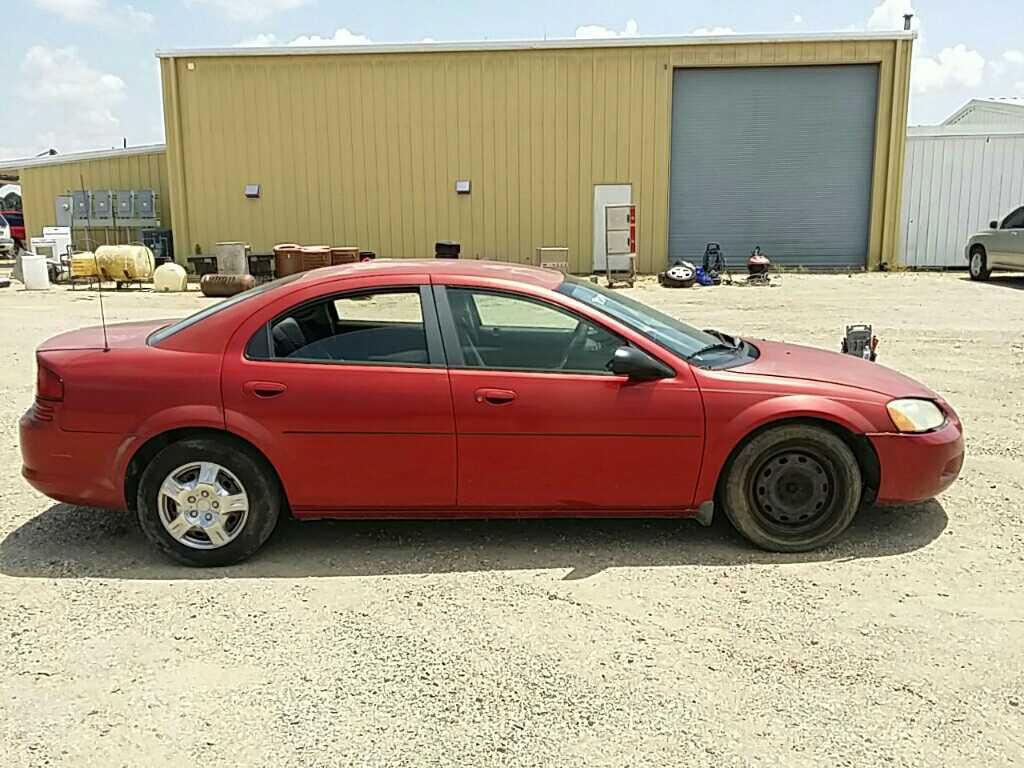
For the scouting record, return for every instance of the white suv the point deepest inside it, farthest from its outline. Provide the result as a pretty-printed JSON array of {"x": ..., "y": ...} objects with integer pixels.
[
  {"x": 1001, "y": 246},
  {"x": 6, "y": 241}
]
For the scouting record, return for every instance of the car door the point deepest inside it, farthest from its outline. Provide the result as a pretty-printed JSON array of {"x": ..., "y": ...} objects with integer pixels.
[
  {"x": 541, "y": 422},
  {"x": 1011, "y": 240},
  {"x": 347, "y": 389}
]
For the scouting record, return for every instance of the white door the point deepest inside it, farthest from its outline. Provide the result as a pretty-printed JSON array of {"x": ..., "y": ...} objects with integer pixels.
[{"x": 606, "y": 194}]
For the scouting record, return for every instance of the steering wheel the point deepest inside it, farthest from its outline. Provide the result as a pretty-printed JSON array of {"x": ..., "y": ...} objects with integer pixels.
[{"x": 579, "y": 336}]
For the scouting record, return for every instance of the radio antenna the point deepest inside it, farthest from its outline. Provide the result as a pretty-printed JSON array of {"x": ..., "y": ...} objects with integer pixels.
[{"x": 95, "y": 261}]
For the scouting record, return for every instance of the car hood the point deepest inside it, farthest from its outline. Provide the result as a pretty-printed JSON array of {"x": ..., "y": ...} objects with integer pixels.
[
  {"x": 118, "y": 335},
  {"x": 795, "y": 361}
]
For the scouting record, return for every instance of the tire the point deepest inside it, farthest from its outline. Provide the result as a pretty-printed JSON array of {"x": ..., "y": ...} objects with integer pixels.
[
  {"x": 236, "y": 476},
  {"x": 978, "y": 264},
  {"x": 792, "y": 488}
]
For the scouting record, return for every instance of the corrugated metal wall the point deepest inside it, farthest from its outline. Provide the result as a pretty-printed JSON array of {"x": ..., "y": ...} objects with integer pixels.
[
  {"x": 40, "y": 185},
  {"x": 955, "y": 183},
  {"x": 364, "y": 148}
]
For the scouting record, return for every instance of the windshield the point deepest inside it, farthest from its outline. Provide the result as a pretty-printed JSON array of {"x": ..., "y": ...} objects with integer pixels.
[
  {"x": 675, "y": 335},
  {"x": 169, "y": 330}
]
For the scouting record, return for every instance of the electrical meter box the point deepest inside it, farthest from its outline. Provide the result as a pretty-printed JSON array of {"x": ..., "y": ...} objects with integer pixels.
[
  {"x": 102, "y": 208},
  {"x": 144, "y": 204},
  {"x": 123, "y": 204},
  {"x": 81, "y": 207}
]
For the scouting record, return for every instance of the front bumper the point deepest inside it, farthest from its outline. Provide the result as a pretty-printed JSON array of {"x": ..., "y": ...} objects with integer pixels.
[
  {"x": 917, "y": 467},
  {"x": 73, "y": 467}
]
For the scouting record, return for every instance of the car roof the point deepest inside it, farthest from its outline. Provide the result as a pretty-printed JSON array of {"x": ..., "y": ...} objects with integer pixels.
[{"x": 495, "y": 270}]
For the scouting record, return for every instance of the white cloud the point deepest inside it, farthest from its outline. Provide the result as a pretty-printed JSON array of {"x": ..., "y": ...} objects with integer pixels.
[
  {"x": 253, "y": 11},
  {"x": 261, "y": 40},
  {"x": 958, "y": 66},
  {"x": 79, "y": 103},
  {"x": 341, "y": 36},
  {"x": 889, "y": 15},
  {"x": 1013, "y": 57},
  {"x": 98, "y": 13},
  {"x": 713, "y": 31},
  {"x": 596, "y": 31},
  {"x": 798, "y": 19}
]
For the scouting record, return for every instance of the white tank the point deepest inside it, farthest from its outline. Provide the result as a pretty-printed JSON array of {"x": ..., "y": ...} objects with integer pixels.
[
  {"x": 231, "y": 258},
  {"x": 35, "y": 274},
  {"x": 170, "y": 277},
  {"x": 125, "y": 262}
]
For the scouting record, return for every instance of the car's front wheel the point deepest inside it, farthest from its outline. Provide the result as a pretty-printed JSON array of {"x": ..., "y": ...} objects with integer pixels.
[
  {"x": 792, "y": 488},
  {"x": 978, "y": 265},
  {"x": 208, "y": 502}
]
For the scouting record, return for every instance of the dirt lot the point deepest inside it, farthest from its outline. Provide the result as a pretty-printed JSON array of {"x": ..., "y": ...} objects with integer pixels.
[{"x": 544, "y": 643}]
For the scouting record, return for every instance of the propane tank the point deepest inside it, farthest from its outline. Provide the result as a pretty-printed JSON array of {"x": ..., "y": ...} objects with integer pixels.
[{"x": 225, "y": 285}]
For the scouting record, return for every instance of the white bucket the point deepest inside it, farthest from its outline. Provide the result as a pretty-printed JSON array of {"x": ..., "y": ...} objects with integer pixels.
[{"x": 34, "y": 272}]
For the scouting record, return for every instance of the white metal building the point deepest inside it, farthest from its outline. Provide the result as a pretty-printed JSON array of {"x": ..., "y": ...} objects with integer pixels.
[
  {"x": 996, "y": 111},
  {"x": 957, "y": 178}
]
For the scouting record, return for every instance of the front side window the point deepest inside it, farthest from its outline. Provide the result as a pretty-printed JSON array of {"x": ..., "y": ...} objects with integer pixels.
[
  {"x": 1015, "y": 220},
  {"x": 505, "y": 332},
  {"x": 383, "y": 328},
  {"x": 675, "y": 335}
]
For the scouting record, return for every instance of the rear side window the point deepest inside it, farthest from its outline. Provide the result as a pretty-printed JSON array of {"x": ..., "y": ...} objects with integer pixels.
[
  {"x": 369, "y": 328},
  {"x": 169, "y": 330}
]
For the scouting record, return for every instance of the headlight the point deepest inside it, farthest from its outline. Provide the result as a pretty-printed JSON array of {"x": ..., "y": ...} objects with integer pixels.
[{"x": 910, "y": 415}]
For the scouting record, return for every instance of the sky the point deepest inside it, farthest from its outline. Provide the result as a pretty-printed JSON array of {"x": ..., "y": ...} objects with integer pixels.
[{"x": 81, "y": 74}]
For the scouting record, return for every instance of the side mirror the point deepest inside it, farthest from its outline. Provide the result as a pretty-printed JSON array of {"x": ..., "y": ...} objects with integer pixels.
[
  {"x": 993, "y": 225},
  {"x": 638, "y": 365}
]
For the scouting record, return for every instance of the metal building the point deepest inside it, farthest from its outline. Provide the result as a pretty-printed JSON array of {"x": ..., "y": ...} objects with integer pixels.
[
  {"x": 959, "y": 177},
  {"x": 44, "y": 179},
  {"x": 1004, "y": 111},
  {"x": 793, "y": 143}
]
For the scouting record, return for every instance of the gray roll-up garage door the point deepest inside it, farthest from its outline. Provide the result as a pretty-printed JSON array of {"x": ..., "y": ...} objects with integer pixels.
[{"x": 778, "y": 157}]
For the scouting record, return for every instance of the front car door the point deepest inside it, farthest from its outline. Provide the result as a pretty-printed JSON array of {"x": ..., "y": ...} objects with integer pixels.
[
  {"x": 1011, "y": 240},
  {"x": 345, "y": 388},
  {"x": 541, "y": 422}
]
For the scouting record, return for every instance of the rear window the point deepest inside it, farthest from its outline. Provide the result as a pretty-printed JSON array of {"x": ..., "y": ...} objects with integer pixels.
[{"x": 169, "y": 330}]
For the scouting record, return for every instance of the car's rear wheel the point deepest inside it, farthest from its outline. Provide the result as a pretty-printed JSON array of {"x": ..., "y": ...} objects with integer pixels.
[
  {"x": 792, "y": 488},
  {"x": 207, "y": 502},
  {"x": 978, "y": 265}
]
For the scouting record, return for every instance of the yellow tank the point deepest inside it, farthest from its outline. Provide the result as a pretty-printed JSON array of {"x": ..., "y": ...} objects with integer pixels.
[
  {"x": 83, "y": 264},
  {"x": 125, "y": 262}
]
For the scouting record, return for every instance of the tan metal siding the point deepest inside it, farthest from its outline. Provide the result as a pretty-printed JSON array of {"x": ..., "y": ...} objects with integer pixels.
[
  {"x": 41, "y": 185},
  {"x": 365, "y": 148}
]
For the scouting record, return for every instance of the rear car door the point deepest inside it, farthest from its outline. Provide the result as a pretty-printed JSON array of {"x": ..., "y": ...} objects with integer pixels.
[
  {"x": 541, "y": 422},
  {"x": 349, "y": 388}
]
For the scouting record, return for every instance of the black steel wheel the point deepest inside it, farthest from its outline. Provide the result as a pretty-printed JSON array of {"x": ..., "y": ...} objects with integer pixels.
[{"x": 792, "y": 488}]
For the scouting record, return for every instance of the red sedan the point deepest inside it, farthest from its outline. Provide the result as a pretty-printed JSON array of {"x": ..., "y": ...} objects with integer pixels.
[{"x": 468, "y": 389}]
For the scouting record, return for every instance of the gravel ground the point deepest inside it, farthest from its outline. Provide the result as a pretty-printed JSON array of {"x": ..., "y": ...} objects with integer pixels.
[{"x": 544, "y": 643}]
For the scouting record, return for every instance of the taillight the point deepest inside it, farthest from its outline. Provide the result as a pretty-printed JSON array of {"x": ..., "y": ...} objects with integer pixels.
[{"x": 49, "y": 386}]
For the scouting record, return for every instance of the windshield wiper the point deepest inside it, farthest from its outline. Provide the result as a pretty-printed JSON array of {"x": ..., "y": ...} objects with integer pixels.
[
  {"x": 730, "y": 340},
  {"x": 718, "y": 346}
]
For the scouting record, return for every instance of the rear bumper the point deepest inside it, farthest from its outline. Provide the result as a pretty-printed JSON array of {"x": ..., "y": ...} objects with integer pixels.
[
  {"x": 918, "y": 467},
  {"x": 73, "y": 467}
]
